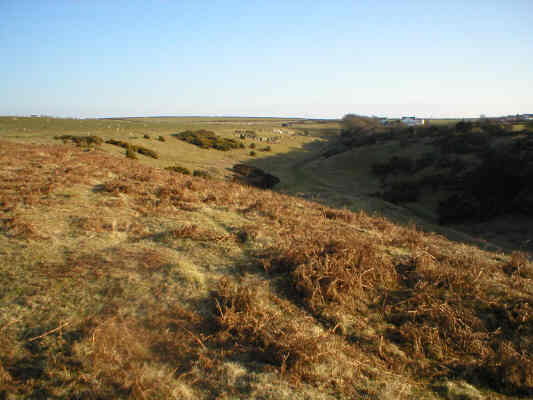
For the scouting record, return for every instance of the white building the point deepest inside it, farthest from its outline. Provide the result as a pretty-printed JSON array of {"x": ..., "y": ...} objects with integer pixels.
[{"x": 412, "y": 121}]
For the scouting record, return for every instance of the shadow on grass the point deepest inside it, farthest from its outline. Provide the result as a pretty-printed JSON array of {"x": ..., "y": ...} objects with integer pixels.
[{"x": 290, "y": 168}]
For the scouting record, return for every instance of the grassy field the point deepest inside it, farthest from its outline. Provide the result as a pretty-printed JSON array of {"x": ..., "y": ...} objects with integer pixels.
[
  {"x": 171, "y": 152},
  {"x": 442, "y": 121},
  {"x": 121, "y": 280}
]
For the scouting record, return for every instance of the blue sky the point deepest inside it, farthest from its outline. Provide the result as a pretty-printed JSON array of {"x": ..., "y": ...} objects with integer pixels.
[{"x": 266, "y": 58}]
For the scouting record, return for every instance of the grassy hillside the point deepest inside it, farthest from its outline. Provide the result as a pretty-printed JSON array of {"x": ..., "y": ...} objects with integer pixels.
[
  {"x": 120, "y": 279},
  {"x": 471, "y": 177},
  {"x": 172, "y": 151}
]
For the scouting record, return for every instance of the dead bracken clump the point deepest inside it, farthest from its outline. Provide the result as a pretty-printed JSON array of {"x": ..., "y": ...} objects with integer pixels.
[{"x": 253, "y": 325}]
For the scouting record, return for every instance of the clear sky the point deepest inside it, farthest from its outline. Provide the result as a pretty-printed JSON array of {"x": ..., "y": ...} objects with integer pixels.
[{"x": 439, "y": 58}]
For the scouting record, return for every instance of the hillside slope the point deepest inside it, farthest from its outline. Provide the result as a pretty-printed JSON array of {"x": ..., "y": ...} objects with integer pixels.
[
  {"x": 121, "y": 280},
  {"x": 472, "y": 178}
]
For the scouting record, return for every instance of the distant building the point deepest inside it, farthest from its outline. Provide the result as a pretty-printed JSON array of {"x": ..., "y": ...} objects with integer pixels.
[{"x": 412, "y": 121}]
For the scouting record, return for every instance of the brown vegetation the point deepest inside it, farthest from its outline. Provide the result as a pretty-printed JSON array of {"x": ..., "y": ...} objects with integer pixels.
[{"x": 120, "y": 280}]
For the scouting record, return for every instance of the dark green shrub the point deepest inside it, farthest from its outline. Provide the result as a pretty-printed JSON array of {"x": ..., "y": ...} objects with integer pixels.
[
  {"x": 471, "y": 142},
  {"x": 130, "y": 152},
  {"x": 122, "y": 144},
  {"x": 82, "y": 141},
  {"x": 252, "y": 153},
  {"x": 425, "y": 161},
  {"x": 463, "y": 126},
  {"x": 393, "y": 166},
  {"x": 147, "y": 152},
  {"x": 458, "y": 208},
  {"x": 138, "y": 149},
  {"x": 179, "y": 169},
  {"x": 242, "y": 145},
  {"x": 161, "y": 139},
  {"x": 402, "y": 192},
  {"x": 208, "y": 140},
  {"x": 146, "y": 136},
  {"x": 501, "y": 184},
  {"x": 202, "y": 174},
  {"x": 493, "y": 128},
  {"x": 252, "y": 145}
]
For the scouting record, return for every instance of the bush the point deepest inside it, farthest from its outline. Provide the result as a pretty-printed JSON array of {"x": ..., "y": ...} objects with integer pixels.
[
  {"x": 425, "y": 161},
  {"x": 147, "y": 152},
  {"x": 82, "y": 141},
  {"x": 208, "y": 140},
  {"x": 464, "y": 143},
  {"x": 179, "y": 169},
  {"x": 146, "y": 136},
  {"x": 202, "y": 174},
  {"x": 394, "y": 165},
  {"x": 463, "y": 126},
  {"x": 402, "y": 192},
  {"x": 268, "y": 148},
  {"x": 138, "y": 149},
  {"x": 252, "y": 153},
  {"x": 130, "y": 153},
  {"x": 161, "y": 139},
  {"x": 252, "y": 145},
  {"x": 500, "y": 185}
]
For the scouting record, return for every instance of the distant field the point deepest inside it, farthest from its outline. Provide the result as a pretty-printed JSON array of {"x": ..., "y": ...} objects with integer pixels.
[
  {"x": 293, "y": 133},
  {"x": 443, "y": 121}
]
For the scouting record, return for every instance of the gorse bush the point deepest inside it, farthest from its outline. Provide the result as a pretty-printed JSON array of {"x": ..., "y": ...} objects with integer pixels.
[
  {"x": 201, "y": 174},
  {"x": 402, "y": 192},
  {"x": 179, "y": 169},
  {"x": 147, "y": 152},
  {"x": 134, "y": 148},
  {"x": 82, "y": 141},
  {"x": 130, "y": 152},
  {"x": 464, "y": 126},
  {"x": 464, "y": 143},
  {"x": 208, "y": 140},
  {"x": 395, "y": 165},
  {"x": 502, "y": 183}
]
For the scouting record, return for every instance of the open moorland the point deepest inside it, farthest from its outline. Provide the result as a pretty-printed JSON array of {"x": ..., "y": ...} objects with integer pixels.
[{"x": 123, "y": 279}]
